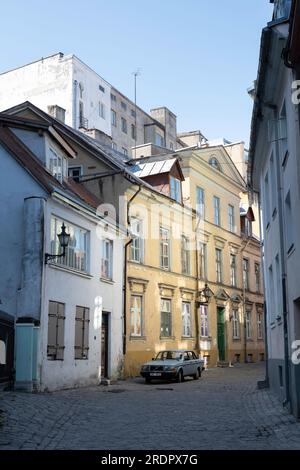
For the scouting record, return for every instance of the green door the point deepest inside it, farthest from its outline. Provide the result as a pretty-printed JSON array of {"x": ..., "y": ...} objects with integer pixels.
[{"x": 221, "y": 333}]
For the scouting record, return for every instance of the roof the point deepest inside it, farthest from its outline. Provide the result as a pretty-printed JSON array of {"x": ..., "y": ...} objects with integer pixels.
[
  {"x": 154, "y": 167},
  {"x": 35, "y": 168}
]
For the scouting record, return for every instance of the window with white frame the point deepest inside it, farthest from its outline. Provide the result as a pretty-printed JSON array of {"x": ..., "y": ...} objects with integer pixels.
[
  {"x": 200, "y": 202},
  {"x": 164, "y": 248},
  {"x": 219, "y": 274},
  {"x": 136, "y": 315},
  {"x": 260, "y": 326},
  {"x": 114, "y": 146},
  {"x": 246, "y": 273},
  {"x": 203, "y": 261},
  {"x": 215, "y": 163},
  {"x": 185, "y": 255},
  {"x": 137, "y": 242},
  {"x": 186, "y": 319},
  {"x": 56, "y": 331},
  {"x": 175, "y": 189},
  {"x": 124, "y": 151},
  {"x": 217, "y": 211},
  {"x": 113, "y": 97},
  {"x": 166, "y": 318},
  {"x": 58, "y": 165},
  {"x": 75, "y": 172},
  {"x": 113, "y": 118},
  {"x": 236, "y": 324},
  {"x": 283, "y": 133},
  {"x": 271, "y": 292},
  {"x": 77, "y": 251},
  {"x": 102, "y": 110},
  {"x": 248, "y": 325},
  {"x": 233, "y": 270},
  {"x": 267, "y": 200},
  {"x": 204, "y": 321},
  {"x": 107, "y": 259},
  {"x": 231, "y": 218},
  {"x": 82, "y": 321},
  {"x": 133, "y": 131}
]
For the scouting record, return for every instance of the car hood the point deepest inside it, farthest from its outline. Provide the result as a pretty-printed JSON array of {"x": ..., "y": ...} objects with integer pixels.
[{"x": 167, "y": 362}]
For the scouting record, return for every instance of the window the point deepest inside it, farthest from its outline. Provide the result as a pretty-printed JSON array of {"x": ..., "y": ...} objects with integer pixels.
[
  {"x": 214, "y": 163},
  {"x": 171, "y": 146},
  {"x": 82, "y": 119},
  {"x": 133, "y": 132},
  {"x": 233, "y": 270},
  {"x": 164, "y": 248},
  {"x": 124, "y": 125},
  {"x": 75, "y": 172},
  {"x": 246, "y": 273},
  {"x": 77, "y": 251},
  {"x": 185, "y": 255},
  {"x": 231, "y": 219},
  {"x": 113, "y": 118},
  {"x": 257, "y": 276},
  {"x": 186, "y": 319},
  {"x": 101, "y": 110},
  {"x": 123, "y": 105},
  {"x": 101, "y": 88},
  {"x": 283, "y": 133},
  {"x": 219, "y": 265},
  {"x": 124, "y": 151},
  {"x": 273, "y": 184},
  {"x": 114, "y": 146},
  {"x": 166, "y": 323},
  {"x": 236, "y": 324},
  {"x": 159, "y": 140},
  {"x": 136, "y": 315},
  {"x": 107, "y": 259},
  {"x": 82, "y": 321},
  {"x": 271, "y": 291},
  {"x": 278, "y": 287},
  {"x": 175, "y": 189},
  {"x": 217, "y": 210},
  {"x": 248, "y": 325},
  {"x": 204, "y": 321},
  {"x": 289, "y": 224},
  {"x": 133, "y": 113},
  {"x": 267, "y": 200},
  {"x": 203, "y": 261},
  {"x": 56, "y": 331},
  {"x": 260, "y": 326},
  {"x": 57, "y": 165},
  {"x": 137, "y": 242},
  {"x": 113, "y": 97},
  {"x": 200, "y": 201}
]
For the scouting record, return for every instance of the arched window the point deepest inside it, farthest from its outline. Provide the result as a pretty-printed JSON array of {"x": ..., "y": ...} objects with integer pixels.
[{"x": 214, "y": 163}]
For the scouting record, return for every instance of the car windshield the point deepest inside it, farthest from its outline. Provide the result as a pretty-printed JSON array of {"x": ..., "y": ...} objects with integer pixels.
[{"x": 163, "y": 355}]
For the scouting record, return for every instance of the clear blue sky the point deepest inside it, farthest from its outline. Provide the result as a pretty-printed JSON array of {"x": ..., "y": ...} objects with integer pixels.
[{"x": 197, "y": 57}]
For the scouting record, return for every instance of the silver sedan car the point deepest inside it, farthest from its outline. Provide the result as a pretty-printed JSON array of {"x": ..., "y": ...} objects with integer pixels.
[{"x": 173, "y": 365}]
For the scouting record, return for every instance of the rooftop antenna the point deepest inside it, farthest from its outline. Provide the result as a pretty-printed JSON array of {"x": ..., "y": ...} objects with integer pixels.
[{"x": 135, "y": 74}]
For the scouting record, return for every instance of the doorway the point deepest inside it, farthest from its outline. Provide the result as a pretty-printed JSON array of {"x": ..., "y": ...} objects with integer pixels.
[
  {"x": 221, "y": 332},
  {"x": 104, "y": 345}
]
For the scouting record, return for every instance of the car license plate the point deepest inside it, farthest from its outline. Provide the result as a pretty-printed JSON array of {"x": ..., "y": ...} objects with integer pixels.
[{"x": 155, "y": 374}]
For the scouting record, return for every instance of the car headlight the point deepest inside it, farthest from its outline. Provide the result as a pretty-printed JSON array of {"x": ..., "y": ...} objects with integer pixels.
[{"x": 144, "y": 368}]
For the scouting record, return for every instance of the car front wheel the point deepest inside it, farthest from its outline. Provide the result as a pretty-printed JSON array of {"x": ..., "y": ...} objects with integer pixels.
[
  {"x": 197, "y": 375},
  {"x": 180, "y": 377}
]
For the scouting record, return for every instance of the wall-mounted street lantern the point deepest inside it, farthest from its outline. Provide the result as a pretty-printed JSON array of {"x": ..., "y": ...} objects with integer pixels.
[
  {"x": 64, "y": 238},
  {"x": 205, "y": 295}
]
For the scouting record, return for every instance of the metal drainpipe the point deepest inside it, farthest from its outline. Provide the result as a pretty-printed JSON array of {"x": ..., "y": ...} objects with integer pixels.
[
  {"x": 244, "y": 303},
  {"x": 125, "y": 273},
  {"x": 197, "y": 280},
  {"x": 282, "y": 257}
]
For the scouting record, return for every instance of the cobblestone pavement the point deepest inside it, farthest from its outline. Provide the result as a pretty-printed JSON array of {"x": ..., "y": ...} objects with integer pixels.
[{"x": 222, "y": 410}]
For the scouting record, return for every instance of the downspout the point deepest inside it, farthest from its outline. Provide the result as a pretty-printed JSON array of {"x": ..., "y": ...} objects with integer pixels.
[
  {"x": 197, "y": 345},
  {"x": 283, "y": 270},
  {"x": 125, "y": 271},
  {"x": 244, "y": 303}
]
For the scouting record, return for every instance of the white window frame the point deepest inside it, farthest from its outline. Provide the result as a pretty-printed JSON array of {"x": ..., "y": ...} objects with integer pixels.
[
  {"x": 236, "y": 330},
  {"x": 107, "y": 259},
  {"x": 260, "y": 325},
  {"x": 185, "y": 255},
  {"x": 203, "y": 261},
  {"x": 101, "y": 110},
  {"x": 136, "y": 316},
  {"x": 219, "y": 265},
  {"x": 186, "y": 320},
  {"x": 217, "y": 210},
  {"x": 231, "y": 218},
  {"x": 233, "y": 278},
  {"x": 59, "y": 169},
  {"x": 200, "y": 202},
  {"x": 248, "y": 324},
  {"x": 204, "y": 324},
  {"x": 165, "y": 248},
  {"x": 113, "y": 118},
  {"x": 168, "y": 312},
  {"x": 137, "y": 244},
  {"x": 175, "y": 189}
]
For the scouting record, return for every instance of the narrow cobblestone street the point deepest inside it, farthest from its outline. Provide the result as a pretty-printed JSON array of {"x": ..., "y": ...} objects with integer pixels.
[{"x": 223, "y": 410}]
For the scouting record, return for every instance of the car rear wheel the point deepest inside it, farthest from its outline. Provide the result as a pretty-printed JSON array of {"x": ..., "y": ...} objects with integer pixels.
[
  {"x": 180, "y": 377},
  {"x": 197, "y": 375}
]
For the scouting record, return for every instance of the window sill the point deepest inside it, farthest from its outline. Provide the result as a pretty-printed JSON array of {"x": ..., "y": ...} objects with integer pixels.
[
  {"x": 250, "y": 340},
  {"x": 236, "y": 340},
  {"x": 137, "y": 338},
  {"x": 167, "y": 338},
  {"x": 190, "y": 338},
  {"x": 205, "y": 338},
  {"x": 70, "y": 270},
  {"x": 107, "y": 281}
]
